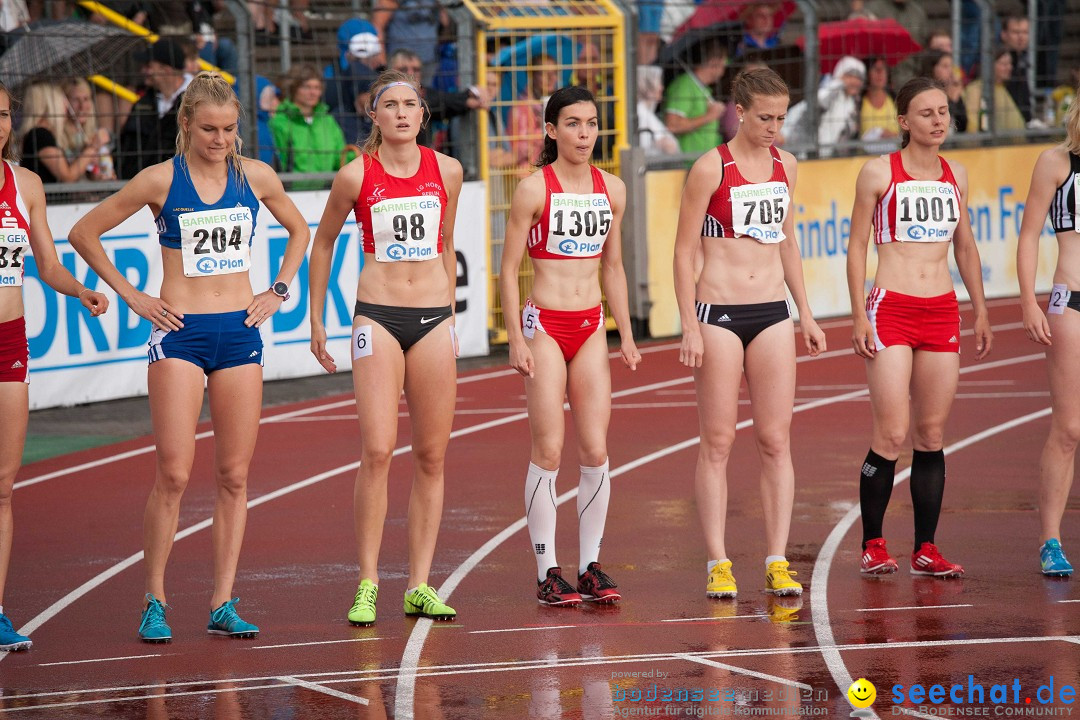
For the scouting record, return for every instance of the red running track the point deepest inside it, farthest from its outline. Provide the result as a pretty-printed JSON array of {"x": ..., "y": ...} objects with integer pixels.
[{"x": 666, "y": 650}]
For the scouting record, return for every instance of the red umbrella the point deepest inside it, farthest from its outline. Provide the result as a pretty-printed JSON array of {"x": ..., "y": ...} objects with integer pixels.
[
  {"x": 714, "y": 12},
  {"x": 863, "y": 38}
]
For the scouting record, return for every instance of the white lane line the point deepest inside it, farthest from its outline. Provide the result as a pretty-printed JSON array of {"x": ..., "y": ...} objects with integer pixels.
[
  {"x": 1068, "y": 601},
  {"x": 58, "y": 606},
  {"x": 525, "y": 629},
  {"x": 820, "y": 577},
  {"x": 313, "y": 642},
  {"x": 98, "y": 660},
  {"x": 710, "y": 619},
  {"x": 911, "y": 607},
  {"x": 321, "y": 689},
  {"x": 410, "y": 659},
  {"x": 136, "y": 698},
  {"x": 744, "y": 671}
]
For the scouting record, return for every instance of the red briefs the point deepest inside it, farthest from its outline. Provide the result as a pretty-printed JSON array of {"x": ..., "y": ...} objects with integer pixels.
[
  {"x": 921, "y": 323},
  {"x": 569, "y": 328},
  {"x": 14, "y": 352}
]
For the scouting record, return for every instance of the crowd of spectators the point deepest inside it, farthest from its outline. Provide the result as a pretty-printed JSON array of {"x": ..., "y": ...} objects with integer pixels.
[{"x": 312, "y": 119}]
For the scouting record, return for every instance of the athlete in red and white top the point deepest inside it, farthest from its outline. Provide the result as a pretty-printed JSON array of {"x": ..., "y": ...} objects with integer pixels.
[
  {"x": 24, "y": 229},
  {"x": 404, "y": 199},
  {"x": 736, "y": 213},
  {"x": 567, "y": 217},
  {"x": 914, "y": 204}
]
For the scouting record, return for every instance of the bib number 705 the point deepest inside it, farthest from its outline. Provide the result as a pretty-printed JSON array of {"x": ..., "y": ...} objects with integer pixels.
[{"x": 769, "y": 211}]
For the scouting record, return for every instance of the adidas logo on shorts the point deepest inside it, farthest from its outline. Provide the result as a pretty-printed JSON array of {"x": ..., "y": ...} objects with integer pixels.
[
  {"x": 953, "y": 339},
  {"x": 585, "y": 323},
  {"x": 253, "y": 353},
  {"x": 18, "y": 364},
  {"x": 723, "y": 318}
]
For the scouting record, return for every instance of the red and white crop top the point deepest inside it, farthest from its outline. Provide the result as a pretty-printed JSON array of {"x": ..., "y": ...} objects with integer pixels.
[
  {"x": 572, "y": 225},
  {"x": 14, "y": 231},
  {"x": 740, "y": 208},
  {"x": 400, "y": 219},
  {"x": 917, "y": 210}
]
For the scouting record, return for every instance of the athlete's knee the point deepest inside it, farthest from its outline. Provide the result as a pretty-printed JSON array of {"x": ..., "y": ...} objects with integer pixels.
[
  {"x": 233, "y": 478},
  {"x": 889, "y": 440},
  {"x": 716, "y": 446},
  {"x": 7, "y": 486},
  {"x": 1065, "y": 434},
  {"x": 547, "y": 453},
  {"x": 172, "y": 479},
  {"x": 377, "y": 457},
  {"x": 774, "y": 444},
  {"x": 429, "y": 462},
  {"x": 928, "y": 436}
]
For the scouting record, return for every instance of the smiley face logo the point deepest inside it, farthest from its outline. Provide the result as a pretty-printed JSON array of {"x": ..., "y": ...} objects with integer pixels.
[{"x": 862, "y": 693}]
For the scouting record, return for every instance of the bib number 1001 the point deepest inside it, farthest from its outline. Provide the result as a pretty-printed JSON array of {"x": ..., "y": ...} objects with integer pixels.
[
  {"x": 216, "y": 240},
  {"x": 590, "y": 221},
  {"x": 927, "y": 208}
]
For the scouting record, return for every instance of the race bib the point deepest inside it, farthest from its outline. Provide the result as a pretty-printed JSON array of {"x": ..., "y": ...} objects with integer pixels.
[
  {"x": 14, "y": 244},
  {"x": 216, "y": 242},
  {"x": 530, "y": 320},
  {"x": 407, "y": 229},
  {"x": 361, "y": 346},
  {"x": 1059, "y": 299},
  {"x": 759, "y": 210},
  {"x": 926, "y": 211},
  {"x": 578, "y": 225}
]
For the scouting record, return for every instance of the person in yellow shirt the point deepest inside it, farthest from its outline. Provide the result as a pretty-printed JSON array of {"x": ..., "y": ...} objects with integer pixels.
[
  {"x": 877, "y": 114},
  {"x": 1007, "y": 115}
]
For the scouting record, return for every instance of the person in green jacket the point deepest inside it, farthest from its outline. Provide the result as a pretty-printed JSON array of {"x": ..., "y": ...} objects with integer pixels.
[{"x": 307, "y": 137}]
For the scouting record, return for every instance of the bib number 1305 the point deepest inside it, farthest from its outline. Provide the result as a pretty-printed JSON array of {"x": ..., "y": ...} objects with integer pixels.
[{"x": 576, "y": 222}]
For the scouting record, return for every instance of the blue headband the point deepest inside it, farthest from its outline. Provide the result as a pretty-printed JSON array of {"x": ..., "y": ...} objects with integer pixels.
[{"x": 390, "y": 85}]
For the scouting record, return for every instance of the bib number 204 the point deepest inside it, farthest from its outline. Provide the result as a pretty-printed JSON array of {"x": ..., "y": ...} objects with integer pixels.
[{"x": 216, "y": 240}]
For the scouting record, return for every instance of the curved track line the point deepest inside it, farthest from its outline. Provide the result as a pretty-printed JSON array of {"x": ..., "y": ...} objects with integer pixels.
[
  {"x": 819, "y": 579},
  {"x": 406, "y": 690}
]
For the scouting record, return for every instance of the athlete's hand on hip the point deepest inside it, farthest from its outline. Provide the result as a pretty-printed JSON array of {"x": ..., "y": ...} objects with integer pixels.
[
  {"x": 984, "y": 337},
  {"x": 862, "y": 337},
  {"x": 630, "y": 355},
  {"x": 94, "y": 301},
  {"x": 521, "y": 359},
  {"x": 813, "y": 336},
  {"x": 156, "y": 310},
  {"x": 691, "y": 349},
  {"x": 318, "y": 349},
  {"x": 1036, "y": 325},
  {"x": 262, "y": 307}
]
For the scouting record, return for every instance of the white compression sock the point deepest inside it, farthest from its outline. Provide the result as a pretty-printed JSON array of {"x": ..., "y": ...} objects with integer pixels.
[
  {"x": 540, "y": 514},
  {"x": 594, "y": 491},
  {"x": 769, "y": 560}
]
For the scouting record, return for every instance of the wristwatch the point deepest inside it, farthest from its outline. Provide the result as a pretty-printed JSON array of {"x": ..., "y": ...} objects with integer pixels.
[{"x": 280, "y": 289}]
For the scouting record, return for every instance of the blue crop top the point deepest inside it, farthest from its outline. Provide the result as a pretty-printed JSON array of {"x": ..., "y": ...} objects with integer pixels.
[
  {"x": 184, "y": 199},
  {"x": 1063, "y": 207}
]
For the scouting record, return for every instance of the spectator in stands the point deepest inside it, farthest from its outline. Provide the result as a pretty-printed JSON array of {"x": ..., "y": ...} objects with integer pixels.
[
  {"x": 267, "y": 99},
  {"x": 1007, "y": 116},
  {"x": 307, "y": 138},
  {"x": 214, "y": 49},
  {"x": 149, "y": 135},
  {"x": 690, "y": 112},
  {"x": 858, "y": 10},
  {"x": 594, "y": 74},
  {"x": 411, "y": 25},
  {"x": 82, "y": 130},
  {"x": 45, "y": 134},
  {"x": 912, "y": 16},
  {"x": 653, "y": 136},
  {"x": 759, "y": 27},
  {"x": 838, "y": 98},
  {"x": 347, "y": 81},
  {"x": 1015, "y": 36},
  {"x": 266, "y": 30},
  {"x": 940, "y": 40},
  {"x": 650, "y": 12},
  {"x": 877, "y": 113},
  {"x": 526, "y": 124},
  {"x": 938, "y": 64}
]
